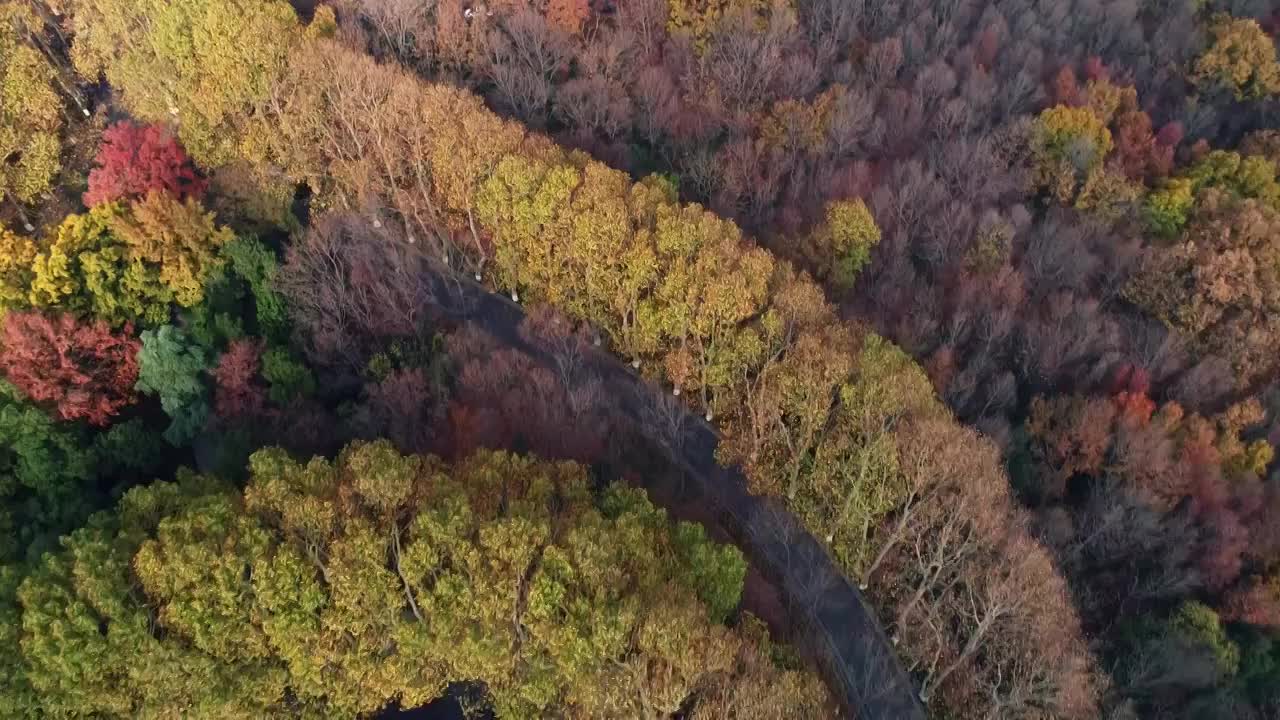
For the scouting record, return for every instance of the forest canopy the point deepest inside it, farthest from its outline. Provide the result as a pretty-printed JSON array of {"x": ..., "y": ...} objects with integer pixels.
[
  {"x": 337, "y": 587},
  {"x": 980, "y": 293}
]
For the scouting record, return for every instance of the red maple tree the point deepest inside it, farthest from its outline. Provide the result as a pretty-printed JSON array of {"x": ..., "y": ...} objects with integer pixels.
[
  {"x": 83, "y": 370},
  {"x": 237, "y": 395},
  {"x": 134, "y": 160}
]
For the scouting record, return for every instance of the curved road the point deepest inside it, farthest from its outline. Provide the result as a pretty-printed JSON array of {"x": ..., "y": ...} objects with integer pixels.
[{"x": 837, "y": 623}]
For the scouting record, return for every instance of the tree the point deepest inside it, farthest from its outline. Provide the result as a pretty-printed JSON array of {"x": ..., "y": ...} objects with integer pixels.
[
  {"x": 1240, "y": 58},
  {"x": 404, "y": 406},
  {"x": 349, "y": 289},
  {"x": 1166, "y": 210},
  {"x": 87, "y": 644},
  {"x": 504, "y": 398},
  {"x": 841, "y": 246},
  {"x": 177, "y": 237},
  {"x": 977, "y": 602},
  {"x": 134, "y": 160},
  {"x": 129, "y": 451},
  {"x": 1182, "y": 653},
  {"x": 342, "y": 586},
  {"x": 757, "y": 686},
  {"x": 16, "y": 256},
  {"x": 258, "y": 266},
  {"x": 85, "y": 269},
  {"x": 171, "y": 367},
  {"x": 1139, "y": 150},
  {"x": 1067, "y": 145},
  {"x": 45, "y": 473},
  {"x": 205, "y": 65},
  {"x": 1256, "y": 602},
  {"x": 700, "y": 18},
  {"x": 82, "y": 369},
  {"x": 128, "y": 263},
  {"x": 524, "y": 56},
  {"x": 568, "y": 15},
  {"x": 31, "y": 116},
  {"x": 1218, "y": 283},
  {"x": 289, "y": 379},
  {"x": 237, "y": 397}
]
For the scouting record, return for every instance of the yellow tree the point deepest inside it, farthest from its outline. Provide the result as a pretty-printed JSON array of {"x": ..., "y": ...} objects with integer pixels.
[
  {"x": 525, "y": 207},
  {"x": 86, "y": 269},
  {"x": 31, "y": 116},
  {"x": 16, "y": 255},
  {"x": 1068, "y": 144},
  {"x": 785, "y": 409},
  {"x": 711, "y": 283},
  {"x": 179, "y": 238},
  {"x": 127, "y": 263},
  {"x": 204, "y": 65},
  {"x": 840, "y": 247},
  {"x": 1240, "y": 57}
]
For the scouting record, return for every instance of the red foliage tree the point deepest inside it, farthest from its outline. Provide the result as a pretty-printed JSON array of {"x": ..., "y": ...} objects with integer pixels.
[
  {"x": 1129, "y": 391},
  {"x": 1139, "y": 150},
  {"x": 237, "y": 395},
  {"x": 1171, "y": 134},
  {"x": 1256, "y": 601},
  {"x": 506, "y": 398},
  {"x": 405, "y": 408},
  {"x": 1095, "y": 70},
  {"x": 1065, "y": 90},
  {"x": 134, "y": 160},
  {"x": 84, "y": 370}
]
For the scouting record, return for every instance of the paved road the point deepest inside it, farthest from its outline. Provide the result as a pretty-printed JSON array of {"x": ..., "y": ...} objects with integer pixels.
[{"x": 836, "y": 622}]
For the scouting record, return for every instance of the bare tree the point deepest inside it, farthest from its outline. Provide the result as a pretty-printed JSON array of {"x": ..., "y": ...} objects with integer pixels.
[
  {"x": 525, "y": 53},
  {"x": 350, "y": 285}
]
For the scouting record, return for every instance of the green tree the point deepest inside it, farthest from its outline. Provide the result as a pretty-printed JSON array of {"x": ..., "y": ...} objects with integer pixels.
[
  {"x": 1166, "y": 210},
  {"x": 46, "y": 469},
  {"x": 1249, "y": 176},
  {"x": 1198, "y": 624},
  {"x": 128, "y": 449},
  {"x": 172, "y": 367},
  {"x": 289, "y": 378},
  {"x": 257, "y": 265}
]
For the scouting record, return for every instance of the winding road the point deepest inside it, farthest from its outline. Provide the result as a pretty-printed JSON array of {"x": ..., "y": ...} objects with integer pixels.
[{"x": 831, "y": 618}]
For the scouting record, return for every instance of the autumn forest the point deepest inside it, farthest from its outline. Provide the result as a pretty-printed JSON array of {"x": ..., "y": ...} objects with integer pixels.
[{"x": 715, "y": 359}]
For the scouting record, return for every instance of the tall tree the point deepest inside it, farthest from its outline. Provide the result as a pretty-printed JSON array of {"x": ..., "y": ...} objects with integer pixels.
[
  {"x": 204, "y": 64},
  {"x": 1240, "y": 58}
]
